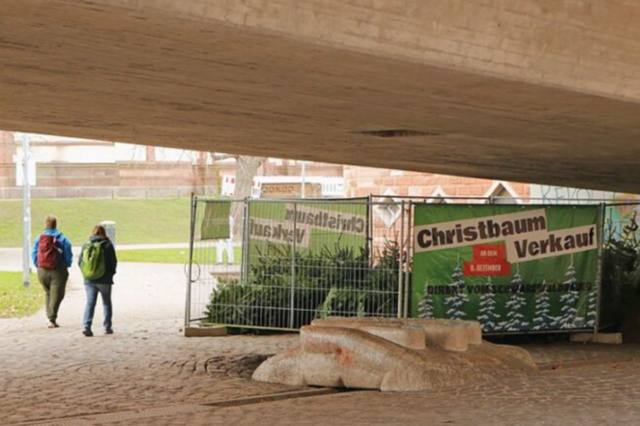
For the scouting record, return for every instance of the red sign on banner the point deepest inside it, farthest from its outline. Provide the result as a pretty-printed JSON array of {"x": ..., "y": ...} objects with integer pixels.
[
  {"x": 488, "y": 260},
  {"x": 484, "y": 269},
  {"x": 485, "y": 251}
]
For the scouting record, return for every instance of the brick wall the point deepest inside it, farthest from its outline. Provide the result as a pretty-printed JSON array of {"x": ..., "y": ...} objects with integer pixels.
[
  {"x": 107, "y": 181},
  {"x": 362, "y": 181},
  {"x": 7, "y": 151},
  {"x": 133, "y": 180}
]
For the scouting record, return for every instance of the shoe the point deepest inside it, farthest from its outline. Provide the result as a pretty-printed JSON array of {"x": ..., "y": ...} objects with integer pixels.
[
  {"x": 108, "y": 331},
  {"x": 87, "y": 333},
  {"x": 52, "y": 324}
]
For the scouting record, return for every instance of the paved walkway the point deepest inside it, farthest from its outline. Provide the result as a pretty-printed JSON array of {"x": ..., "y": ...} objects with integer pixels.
[
  {"x": 11, "y": 258},
  {"x": 51, "y": 374},
  {"x": 148, "y": 374},
  {"x": 603, "y": 395}
]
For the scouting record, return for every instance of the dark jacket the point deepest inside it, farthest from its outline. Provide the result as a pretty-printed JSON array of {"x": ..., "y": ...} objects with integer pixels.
[{"x": 110, "y": 262}]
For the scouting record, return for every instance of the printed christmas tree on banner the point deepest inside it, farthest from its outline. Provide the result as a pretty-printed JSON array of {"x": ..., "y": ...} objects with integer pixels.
[
  {"x": 569, "y": 301},
  {"x": 592, "y": 306},
  {"x": 425, "y": 307},
  {"x": 543, "y": 320},
  {"x": 487, "y": 314},
  {"x": 458, "y": 300},
  {"x": 515, "y": 306}
]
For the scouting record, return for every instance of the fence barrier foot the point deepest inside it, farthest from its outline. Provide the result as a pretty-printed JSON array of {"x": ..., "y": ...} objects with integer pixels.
[
  {"x": 605, "y": 338},
  {"x": 214, "y": 331}
]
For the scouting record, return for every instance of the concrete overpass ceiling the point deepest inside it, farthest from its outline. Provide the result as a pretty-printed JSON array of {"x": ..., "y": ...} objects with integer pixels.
[{"x": 307, "y": 80}]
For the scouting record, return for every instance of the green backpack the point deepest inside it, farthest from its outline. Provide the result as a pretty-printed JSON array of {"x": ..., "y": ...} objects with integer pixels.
[{"x": 92, "y": 264}]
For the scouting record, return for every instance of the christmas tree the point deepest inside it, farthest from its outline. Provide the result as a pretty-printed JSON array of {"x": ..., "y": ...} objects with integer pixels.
[
  {"x": 543, "y": 320},
  {"x": 487, "y": 314},
  {"x": 425, "y": 307},
  {"x": 592, "y": 307},
  {"x": 515, "y": 306},
  {"x": 569, "y": 301},
  {"x": 458, "y": 299}
]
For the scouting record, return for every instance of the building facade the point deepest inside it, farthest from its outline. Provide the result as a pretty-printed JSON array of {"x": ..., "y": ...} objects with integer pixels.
[{"x": 81, "y": 168}]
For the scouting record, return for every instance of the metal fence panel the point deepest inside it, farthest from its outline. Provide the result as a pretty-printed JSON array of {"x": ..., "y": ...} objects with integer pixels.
[
  {"x": 619, "y": 260},
  {"x": 295, "y": 261},
  {"x": 283, "y": 263},
  {"x": 217, "y": 246}
]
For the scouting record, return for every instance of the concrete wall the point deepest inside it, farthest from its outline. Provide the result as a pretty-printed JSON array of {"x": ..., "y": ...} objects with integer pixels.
[
  {"x": 494, "y": 89},
  {"x": 584, "y": 45}
]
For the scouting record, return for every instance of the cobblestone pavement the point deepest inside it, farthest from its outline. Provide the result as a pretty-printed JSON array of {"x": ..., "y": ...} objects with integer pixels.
[
  {"x": 147, "y": 373},
  {"x": 602, "y": 395},
  {"x": 61, "y": 373},
  {"x": 564, "y": 355},
  {"x": 50, "y": 374}
]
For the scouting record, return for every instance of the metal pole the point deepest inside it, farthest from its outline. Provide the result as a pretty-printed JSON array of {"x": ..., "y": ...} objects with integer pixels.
[
  {"x": 401, "y": 263},
  {"x": 26, "y": 212},
  {"x": 293, "y": 265},
  {"x": 601, "y": 224},
  {"x": 187, "y": 311},
  {"x": 407, "y": 281},
  {"x": 304, "y": 178},
  {"x": 244, "y": 268},
  {"x": 370, "y": 228}
]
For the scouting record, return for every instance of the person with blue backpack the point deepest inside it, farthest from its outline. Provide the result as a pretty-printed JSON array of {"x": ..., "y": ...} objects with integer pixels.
[
  {"x": 98, "y": 263},
  {"x": 52, "y": 255}
]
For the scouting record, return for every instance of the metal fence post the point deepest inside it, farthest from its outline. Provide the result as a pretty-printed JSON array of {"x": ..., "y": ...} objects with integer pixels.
[
  {"x": 293, "y": 265},
  {"x": 601, "y": 224},
  {"x": 244, "y": 271},
  {"x": 187, "y": 311},
  {"x": 401, "y": 261},
  {"x": 407, "y": 275},
  {"x": 370, "y": 227}
]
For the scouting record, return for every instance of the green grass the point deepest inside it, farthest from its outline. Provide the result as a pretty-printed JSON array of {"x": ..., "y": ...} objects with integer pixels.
[
  {"x": 155, "y": 221},
  {"x": 167, "y": 256},
  {"x": 17, "y": 301}
]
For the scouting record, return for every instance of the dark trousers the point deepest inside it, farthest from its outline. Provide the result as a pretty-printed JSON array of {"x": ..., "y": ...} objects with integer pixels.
[{"x": 54, "y": 282}]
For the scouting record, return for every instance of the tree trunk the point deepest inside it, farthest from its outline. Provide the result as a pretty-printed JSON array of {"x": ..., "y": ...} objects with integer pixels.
[{"x": 246, "y": 169}]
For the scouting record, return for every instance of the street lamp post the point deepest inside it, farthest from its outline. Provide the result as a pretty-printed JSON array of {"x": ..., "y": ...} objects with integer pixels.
[{"x": 26, "y": 211}]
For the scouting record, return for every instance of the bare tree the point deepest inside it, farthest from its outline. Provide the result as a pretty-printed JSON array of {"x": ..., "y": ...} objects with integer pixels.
[{"x": 246, "y": 169}]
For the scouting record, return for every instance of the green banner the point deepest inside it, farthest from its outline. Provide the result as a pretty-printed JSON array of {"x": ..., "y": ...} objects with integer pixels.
[
  {"x": 312, "y": 227},
  {"x": 512, "y": 268},
  {"x": 216, "y": 221}
]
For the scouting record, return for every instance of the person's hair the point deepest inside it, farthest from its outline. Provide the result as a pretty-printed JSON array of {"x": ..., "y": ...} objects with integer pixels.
[
  {"x": 99, "y": 231},
  {"x": 51, "y": 222}
]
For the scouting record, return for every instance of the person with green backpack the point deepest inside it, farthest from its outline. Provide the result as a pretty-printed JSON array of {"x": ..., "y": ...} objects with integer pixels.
[{"x": 98, "y": 264}]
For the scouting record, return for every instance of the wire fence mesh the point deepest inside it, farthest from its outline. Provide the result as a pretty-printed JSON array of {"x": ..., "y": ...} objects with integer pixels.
[
  {"x": 279, "y": 264},
  {"x": 293, "y": 261},
  {"x": 619, "y": 280},
  {"x": 217, "y": 245}
]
